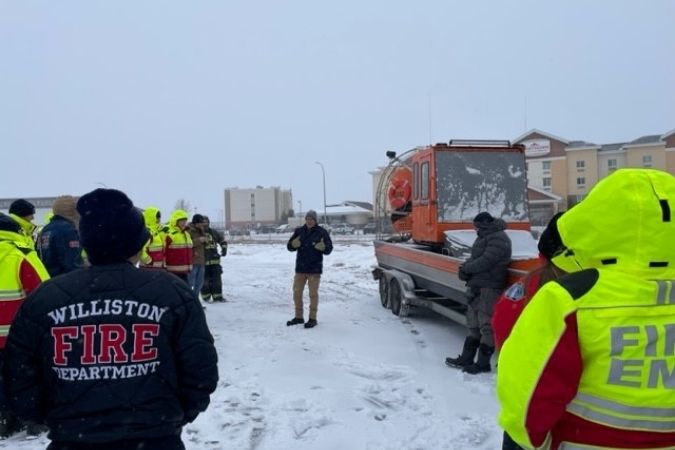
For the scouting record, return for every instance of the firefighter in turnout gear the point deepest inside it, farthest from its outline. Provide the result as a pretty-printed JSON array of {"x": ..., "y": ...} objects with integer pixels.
[
  {"x": 152, "y": 255},
  {"x": 178, "y": 245},
  {"x": 21, "y": 271},
  {"x": 212, "y": 290},
  {"x": 589, "y": 364}
]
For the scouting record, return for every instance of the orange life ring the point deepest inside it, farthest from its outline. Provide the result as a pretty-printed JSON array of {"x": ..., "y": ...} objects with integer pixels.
[{"x": 399, "y": 192}]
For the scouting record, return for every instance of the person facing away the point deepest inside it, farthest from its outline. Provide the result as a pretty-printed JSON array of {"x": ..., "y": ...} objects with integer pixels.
[
  {"x": 152, "y": 255},
  {"x": 514, "y": 299},
  {"x": 485, "y": 273},
  {"x": 212, "y": 290},
  {"x": 178, "y": 245},
  {"x": 23, "y": 213},
  {"x": 111, "y": 356},
  {"x": 59, "y": 241},
  {"x": 197, "y": 229},
  {"x": 589, "y": 363},
  {"x": 310, "y": 242},
  {"x": 21, "y": 272}
]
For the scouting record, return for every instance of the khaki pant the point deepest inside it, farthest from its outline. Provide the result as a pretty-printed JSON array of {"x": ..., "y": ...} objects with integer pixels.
[{"x": 311, "y": 279}]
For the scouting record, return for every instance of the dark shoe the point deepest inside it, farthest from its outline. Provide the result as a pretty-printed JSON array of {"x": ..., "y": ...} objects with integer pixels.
[
  {"x": 311, "y": 323},
  {"x": 482, "y": 364},
  {"x": 295, "y": 321},
  {"x": 468, "y": 353}
]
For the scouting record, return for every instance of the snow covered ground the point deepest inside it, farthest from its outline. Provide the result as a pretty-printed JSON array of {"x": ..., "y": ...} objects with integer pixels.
[{"x": 362, "y": 379}]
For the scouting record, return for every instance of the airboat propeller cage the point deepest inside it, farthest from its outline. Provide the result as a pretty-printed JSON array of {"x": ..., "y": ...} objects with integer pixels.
[{"x": 450, "y": 184}]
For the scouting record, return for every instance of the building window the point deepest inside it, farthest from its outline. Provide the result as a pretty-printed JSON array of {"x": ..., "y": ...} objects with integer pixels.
[
  {"x": 611, "y": 165},
  {"x": 581, "y": 182},
  {"x": 647, "y": 161},
  {"x": 581, "y": 166},
  {"x": 424, "y": 180},
  {"x": 546, "y": 166},
  {"x": 546, "y": 182}
]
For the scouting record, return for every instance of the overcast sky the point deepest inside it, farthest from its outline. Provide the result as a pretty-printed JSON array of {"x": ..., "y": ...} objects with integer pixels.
[{"x": 171, "y": 100}]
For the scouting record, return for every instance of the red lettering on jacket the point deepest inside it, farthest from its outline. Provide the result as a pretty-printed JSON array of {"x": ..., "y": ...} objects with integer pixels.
[
  {"x": 61, "y": 347},
  {"x": 143, "y": 334},
  {"x": 113, "y": 337}
]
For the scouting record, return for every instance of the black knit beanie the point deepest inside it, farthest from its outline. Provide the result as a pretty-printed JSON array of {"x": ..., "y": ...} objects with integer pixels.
[
  {"x": 483, "y": 218},
  {"x": 21, "y": 208},
  {"x": 111, "y": 228}
]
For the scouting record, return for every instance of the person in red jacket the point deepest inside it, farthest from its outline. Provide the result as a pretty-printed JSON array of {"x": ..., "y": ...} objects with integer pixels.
[
  {"x": 514, "y": 299},
  {"x": 21, "y": 272}
]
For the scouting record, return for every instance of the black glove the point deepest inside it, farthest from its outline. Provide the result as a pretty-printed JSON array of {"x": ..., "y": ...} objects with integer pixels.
[
  {"x": 462, "y": 274},
  {"x": 223, "y": 248}
]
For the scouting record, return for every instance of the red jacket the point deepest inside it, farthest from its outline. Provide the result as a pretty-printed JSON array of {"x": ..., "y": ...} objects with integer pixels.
[{"x": 514, "y": 299}]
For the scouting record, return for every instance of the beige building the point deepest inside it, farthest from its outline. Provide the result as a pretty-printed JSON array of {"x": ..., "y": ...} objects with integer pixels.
[
  {"x": 253, "y": 208},
  {"x": 569, "y": 169}
]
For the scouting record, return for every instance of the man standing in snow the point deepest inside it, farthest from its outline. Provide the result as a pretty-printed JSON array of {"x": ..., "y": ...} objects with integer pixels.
[
  {"x": 311, "y": 242},
  {"x": 111, "y": 356},
  {"x": 485, "y": 274}
]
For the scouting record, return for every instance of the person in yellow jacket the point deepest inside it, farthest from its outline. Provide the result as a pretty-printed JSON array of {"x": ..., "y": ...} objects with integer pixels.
[
  {"x": 23, "y": 213},
  {"x": 152, "y": 255},
  {"x": 590, "y": 363},
  {"x": 178, "y": 245},
  {"x": 21, "y": 272}
]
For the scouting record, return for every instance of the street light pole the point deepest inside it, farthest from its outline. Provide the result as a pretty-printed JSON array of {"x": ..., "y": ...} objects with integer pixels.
[{"x": 323, "y": 173}]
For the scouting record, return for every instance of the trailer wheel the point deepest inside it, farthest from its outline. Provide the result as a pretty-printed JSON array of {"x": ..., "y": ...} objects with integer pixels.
[
  {"x": 384, "y": 292},
  {"x": 395, "y": 296}
]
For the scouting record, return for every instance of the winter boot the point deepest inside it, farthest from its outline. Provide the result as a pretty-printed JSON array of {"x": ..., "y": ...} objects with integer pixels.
[
  {"x": 482, "y": 364},
  {"x": 469, "y": 350},
  {"x": 295, "y": 321},
  {"x": 311, "y": 323}
]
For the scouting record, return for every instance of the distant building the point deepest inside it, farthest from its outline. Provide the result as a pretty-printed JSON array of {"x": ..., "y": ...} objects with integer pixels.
[
  {"x": 570, "y": 169},
  {"x": 350, "y": 212},
  {"x": 43, "y": 205},
  {"x": 257, "y": 207}
]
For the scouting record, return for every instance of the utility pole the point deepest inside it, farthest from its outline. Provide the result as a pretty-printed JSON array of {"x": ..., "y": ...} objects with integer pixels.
[{"x": 323, "y": 172}]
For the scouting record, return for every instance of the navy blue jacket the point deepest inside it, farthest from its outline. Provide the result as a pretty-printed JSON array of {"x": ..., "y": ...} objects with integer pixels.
[
  {"x": 59, "y": 246},
  {"x": 109, "y": 353},
  {"x": 309, "y": 259}
]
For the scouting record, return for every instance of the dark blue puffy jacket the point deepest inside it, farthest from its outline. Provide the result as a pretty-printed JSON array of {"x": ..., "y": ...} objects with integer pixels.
[
  {"x": 309, "y": 259},
  {"x": 59, "y": 246}
]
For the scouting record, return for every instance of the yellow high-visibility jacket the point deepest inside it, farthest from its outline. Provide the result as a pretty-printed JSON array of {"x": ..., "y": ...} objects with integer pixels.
[{"x": 590, "y": 363}]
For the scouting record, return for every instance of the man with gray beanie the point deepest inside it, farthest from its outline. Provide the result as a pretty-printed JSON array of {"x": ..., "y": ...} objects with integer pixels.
[
  {"x": 111, "y": 356},
  {"x": 311, "y": 242}
]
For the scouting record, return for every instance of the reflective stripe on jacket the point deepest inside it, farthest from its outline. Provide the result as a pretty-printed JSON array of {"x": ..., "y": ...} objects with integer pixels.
[
  {"x": 20, "y": 272},
  {"x": 602, "y": 369},
  {"x": 178, "y": 246}
]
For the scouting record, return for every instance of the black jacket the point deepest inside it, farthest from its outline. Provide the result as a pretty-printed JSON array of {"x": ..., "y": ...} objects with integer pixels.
[
  {"x": 490, "y": 257},
  {"x": 309, "y": 259},
  {"x": 109, "y": 353}
]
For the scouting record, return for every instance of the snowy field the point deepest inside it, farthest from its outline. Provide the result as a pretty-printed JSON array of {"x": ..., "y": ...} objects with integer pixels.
[{"x": 362, "y": 379}]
